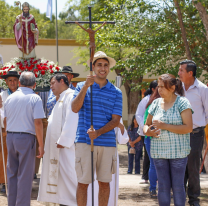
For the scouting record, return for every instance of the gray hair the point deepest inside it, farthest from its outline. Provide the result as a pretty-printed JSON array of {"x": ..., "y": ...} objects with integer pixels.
[
  {"x": 27, "y": 79},
  {"x": 25, "y": 4}
]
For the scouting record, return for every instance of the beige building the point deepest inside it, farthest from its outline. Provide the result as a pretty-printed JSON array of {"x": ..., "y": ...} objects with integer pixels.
[{"x": 47, "y": 49}]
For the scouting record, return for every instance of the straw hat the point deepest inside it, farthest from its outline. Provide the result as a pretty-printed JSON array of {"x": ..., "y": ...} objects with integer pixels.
[{"x": 101, "y": 55}]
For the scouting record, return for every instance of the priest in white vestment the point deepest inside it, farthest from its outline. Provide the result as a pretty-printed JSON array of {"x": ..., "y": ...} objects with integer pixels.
[
  {"x": 122, "y": 138},
  {"x": 58, "y": 181}
]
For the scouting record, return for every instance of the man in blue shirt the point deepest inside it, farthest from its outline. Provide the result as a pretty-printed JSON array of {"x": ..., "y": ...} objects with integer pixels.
[
  {"x": 107, "y": 111},
  {"x": 67, "y": 70}
]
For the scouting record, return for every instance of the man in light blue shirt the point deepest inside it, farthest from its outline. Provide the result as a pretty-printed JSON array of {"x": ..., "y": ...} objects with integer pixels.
[
  {"x": 23, "y": 111},
  {"x": 197, "y": 94},
  {"x": 67, "y": 70}
]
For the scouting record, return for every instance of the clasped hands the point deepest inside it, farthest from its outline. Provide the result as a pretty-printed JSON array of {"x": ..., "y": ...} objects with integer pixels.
[
  {"x": 155, "y": 128},
  {"x": 132, "y": 144}
]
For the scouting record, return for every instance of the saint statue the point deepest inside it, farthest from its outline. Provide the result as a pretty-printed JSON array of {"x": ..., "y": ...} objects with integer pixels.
[{"x": 26, "y": 32}]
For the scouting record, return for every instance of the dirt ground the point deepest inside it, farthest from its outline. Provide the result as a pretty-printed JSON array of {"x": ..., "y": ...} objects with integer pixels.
[{"x": 131, "y": 193}]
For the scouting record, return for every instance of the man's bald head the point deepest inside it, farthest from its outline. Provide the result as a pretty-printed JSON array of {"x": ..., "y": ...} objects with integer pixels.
[{"x": 27, "y": 79}]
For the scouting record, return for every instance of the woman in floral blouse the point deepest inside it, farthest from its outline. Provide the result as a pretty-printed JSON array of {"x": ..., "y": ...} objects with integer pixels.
[{"x": 169, "y": 122}]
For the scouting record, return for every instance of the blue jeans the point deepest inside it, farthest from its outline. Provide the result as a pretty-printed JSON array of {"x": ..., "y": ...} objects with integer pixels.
[
  {"x": 170, "y": 173},
  {"x": 137, "y": 161},
  {"x": 152, "y": 170}
]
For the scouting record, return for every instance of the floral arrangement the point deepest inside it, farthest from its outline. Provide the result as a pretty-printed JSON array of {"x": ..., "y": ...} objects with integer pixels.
[{"x": 42, "y": 68}]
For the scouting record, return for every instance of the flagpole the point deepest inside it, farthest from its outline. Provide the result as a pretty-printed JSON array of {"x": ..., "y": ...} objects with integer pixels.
[{"x": 57, "y": 56}]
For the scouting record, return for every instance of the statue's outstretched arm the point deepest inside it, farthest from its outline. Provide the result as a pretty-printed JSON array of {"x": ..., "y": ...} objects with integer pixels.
[
  {"x": 101, "y": 26},
  {"x": 76, "y": 22}
]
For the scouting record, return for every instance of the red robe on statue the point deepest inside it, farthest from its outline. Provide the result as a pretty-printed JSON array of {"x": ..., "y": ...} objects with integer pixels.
[{"x": 28, "y": 35}]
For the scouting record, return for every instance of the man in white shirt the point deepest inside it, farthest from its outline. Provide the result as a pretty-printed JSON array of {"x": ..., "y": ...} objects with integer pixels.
[{"x": 197, "y": 93}]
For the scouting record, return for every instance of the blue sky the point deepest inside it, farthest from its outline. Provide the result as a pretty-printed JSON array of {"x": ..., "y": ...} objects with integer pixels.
[{"x": 42, "y": 4}]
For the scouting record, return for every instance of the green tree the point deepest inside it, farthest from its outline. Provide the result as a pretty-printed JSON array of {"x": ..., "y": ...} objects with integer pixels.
[{"x": 146, "y": 38}]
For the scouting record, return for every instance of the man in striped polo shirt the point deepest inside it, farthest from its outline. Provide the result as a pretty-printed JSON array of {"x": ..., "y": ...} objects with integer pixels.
[{"x": 107, "y": 111}]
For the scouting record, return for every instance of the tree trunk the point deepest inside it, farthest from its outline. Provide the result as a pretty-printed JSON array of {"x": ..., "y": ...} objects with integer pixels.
[
  {"x": 183, "y": 31},
  {"x": 203, "y": 14},
  {"x": 133, "y": 97}
]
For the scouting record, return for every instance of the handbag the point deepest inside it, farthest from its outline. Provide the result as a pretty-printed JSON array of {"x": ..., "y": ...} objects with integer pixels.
[{"x": 132, "y": 150}]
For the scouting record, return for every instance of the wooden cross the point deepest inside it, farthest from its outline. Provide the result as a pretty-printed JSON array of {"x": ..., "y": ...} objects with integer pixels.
[{"x": 92, "y": 51}]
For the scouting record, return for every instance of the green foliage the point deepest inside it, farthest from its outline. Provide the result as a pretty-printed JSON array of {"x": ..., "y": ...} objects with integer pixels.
[
  {"x": 146, "y": 37},
  {"x": 46, "y": 27}
]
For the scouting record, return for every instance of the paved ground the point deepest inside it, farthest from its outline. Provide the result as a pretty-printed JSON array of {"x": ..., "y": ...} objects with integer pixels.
[{"x": 131, "y": 193}]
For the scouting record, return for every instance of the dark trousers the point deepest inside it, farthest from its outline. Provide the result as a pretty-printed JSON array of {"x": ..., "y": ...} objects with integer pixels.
[
  {"x": 146, "y": 162},
  {"x": 170, "y": 173},
  {"x": 137, "y": 161},
  {"x": 20, "y": 168},
  {"x": 193, "y": 166}
]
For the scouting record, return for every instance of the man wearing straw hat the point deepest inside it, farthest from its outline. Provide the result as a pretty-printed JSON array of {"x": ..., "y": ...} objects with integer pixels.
[
  {"x": 12, "y": 80},
  {"x": 107, "y": 111}
]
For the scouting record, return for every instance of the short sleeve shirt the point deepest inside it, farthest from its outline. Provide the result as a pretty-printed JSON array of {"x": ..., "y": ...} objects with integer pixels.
[
  {"x": 106, "y": 102},
  {"x": 133, "y": 135},
  {"x": 21, "y": 108},
  {"x": 170, "y": 145}
]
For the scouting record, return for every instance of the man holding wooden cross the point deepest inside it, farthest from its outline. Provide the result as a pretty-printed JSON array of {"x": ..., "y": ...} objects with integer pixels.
[{"x": 107, "y": 111}]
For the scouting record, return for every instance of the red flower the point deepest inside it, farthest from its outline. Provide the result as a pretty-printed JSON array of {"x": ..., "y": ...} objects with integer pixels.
[
  {"x": 57, "y": 68},
  {"x": 42, "y": 72},
  {"x": 51, "y": 71},
  {"x": 45, "y": 64},
  {"x": 39, "y": 67},
  {"x": 28, "y": 68},
  {"x": 12, "y": 66},
  {"x": 4, "y": 73},
  {"x": 36, "y": 75},
  {"x": 35, "y": 70},
  {"x": 35, "y": 62}
]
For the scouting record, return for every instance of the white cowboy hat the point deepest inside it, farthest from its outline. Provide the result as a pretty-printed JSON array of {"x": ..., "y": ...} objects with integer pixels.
[{"x": 101, "y": 55}]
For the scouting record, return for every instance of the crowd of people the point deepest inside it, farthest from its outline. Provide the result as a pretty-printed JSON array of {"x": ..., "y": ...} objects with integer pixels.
[
  {"x": 169, "y": 124},
  {"x": 171, "y": 121}
]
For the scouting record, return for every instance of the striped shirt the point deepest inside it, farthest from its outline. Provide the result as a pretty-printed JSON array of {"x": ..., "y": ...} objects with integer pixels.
[
  {"x": 106, "y": 102},
  {"x": 170, "y": 145}
]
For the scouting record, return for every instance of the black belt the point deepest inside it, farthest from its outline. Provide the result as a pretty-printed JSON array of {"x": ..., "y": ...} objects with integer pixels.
[
  {"x": 197, "y": 130},
  {"x": 19, "y": 133}
]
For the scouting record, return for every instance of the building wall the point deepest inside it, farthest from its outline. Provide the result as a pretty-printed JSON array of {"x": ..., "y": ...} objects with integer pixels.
[{"x": 47, "y": 49}]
